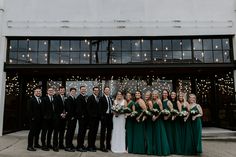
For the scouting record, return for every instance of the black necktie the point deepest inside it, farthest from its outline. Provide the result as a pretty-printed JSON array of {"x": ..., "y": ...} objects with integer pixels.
[{"x": 109, "y": 104}]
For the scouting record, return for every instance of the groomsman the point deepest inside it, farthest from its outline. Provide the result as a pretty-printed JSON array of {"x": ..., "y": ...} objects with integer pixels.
[
  {"x": 59, "y": 119},
  {"x": 105, "y": 104},
  {"x": 82, "y": 113},
  {"x": 94, "y": 116},
  {"x": 71, "y": 120},
  {"x": 48, "y": 113},
  {"x": 35, "y": 120}
]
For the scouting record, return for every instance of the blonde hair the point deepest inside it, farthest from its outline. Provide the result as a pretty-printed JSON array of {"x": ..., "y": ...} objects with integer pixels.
[{"x": 194, "y": 96}]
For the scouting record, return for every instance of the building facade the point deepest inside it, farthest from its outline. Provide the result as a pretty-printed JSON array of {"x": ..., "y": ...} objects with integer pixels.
[{"x": 181, "y": 45}]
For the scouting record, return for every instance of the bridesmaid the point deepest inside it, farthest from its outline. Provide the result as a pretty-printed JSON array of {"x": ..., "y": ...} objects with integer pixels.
[
  {"x": 129, "y": 124},
  {"x": 185, "y": 122},
  {"x": 168, "y": 122},
  {"x": 139, "y": 126},
  {"x": 196, "y": 123},
  {"x": 160, "y": 141},
  {"x": 149, "y": 124},
  {"x": 176, "y": 124}
]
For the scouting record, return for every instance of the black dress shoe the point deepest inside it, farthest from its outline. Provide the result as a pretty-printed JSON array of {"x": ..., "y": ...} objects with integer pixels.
[
  {"x": 69, "y": 150},
  {"x": 50, "y": 146},
  {"x": 31, "y": 149},
  {"x": 45, "y": 148},
  {"x": 104, "y": 150},
  {"x": 61, "y": 147},
  {"x": 37, "y": 146},
  {"x": 81, "y": 149},
  {"x": 91, "y": 149},
  {"x": 55, "y": 149}
]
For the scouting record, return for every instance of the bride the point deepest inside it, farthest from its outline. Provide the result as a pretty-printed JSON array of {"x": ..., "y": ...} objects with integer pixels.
[{"x": 118, "y": 133}]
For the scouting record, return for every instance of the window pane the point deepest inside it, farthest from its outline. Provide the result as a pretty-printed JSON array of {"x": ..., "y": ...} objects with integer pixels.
[
  {"x": 84, "y": 57},
  {"x": 33, "y": 57},
  {"x": 226, "y": 56},
  {"x": 74, "y": 45},
  {"x": 136, "y": 57},
  {"x": 197, "y": 44},
  {"x": 146, "y": 56},
  {"x": 187, "y": 56},
  {"x": 167, "y": 56},
  {"x": 217, "y": 44},
  {"x": 226, "y": 44},
  {"x": 198, "y": 57},
  {"x": 42, "y": 57},
  {"x": 103, "y": 57},
  {"x": 13, "y": 45},
  {"x": 84, "y": 45},
  {"x": 176, "y": 44},
  {"x": 22, "y": 57},
  {"x": 116, "y": 57},
  {"x": 145, "y": 44},
  {"x": 33, "y": 45},
  {"x": 54, "y": 57},
  {"x": 157, "y": 56},
  {"x": 156, "y": 45},
  {"x": 177, "y": 56},
  {"x": 104, "y": 45},
  {"x": 208, "y": 57},
  {"x": 186, "y": 44},
  {"x": 207, "y": 44},
  {"x": 65, "y": 58},
  {"x": 136, "y": 45},
  {"x": 65, "y": 45},
  {"x": 166, "y": 45},
  {"x": 54, "y": 45},
  {"x": 74, "y": 57},
  {"x": 13, "y": 57},
  {"x": 126, "y": 57},
  {"x": 218, "y": 57},
  {"x": 116, "y": 44},
  {"x": 126, "y": 45},
  {"x": 23, "y": 44},
  {"x": 43, "y": 45}
]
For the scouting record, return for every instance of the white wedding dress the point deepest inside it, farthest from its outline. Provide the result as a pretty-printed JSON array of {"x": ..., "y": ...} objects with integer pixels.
[{"x": 118, "y": 132}]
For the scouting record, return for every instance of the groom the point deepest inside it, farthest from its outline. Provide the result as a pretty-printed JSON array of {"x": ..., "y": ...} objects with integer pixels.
[{"x": 105, "y": 104}]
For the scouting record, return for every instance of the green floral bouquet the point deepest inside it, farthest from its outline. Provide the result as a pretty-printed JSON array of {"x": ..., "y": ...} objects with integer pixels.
[
  {"x": 165, "y": 112},
  {"x": 174, "y": 112},
  {"x": 183, "y": 113},
  {"x": 194, "y": 112},
  {"x": 155, "y": 111}
]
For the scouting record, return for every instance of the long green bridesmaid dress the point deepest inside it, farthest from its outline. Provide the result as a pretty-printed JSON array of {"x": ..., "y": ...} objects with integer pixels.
[
  {"x": 130, "y": 129},
  {"x": 149, "y": 135},
  {"x": 160, "y": 141},
  {"x": 139, "y": 134},
  {"x": 197, "y": 133},
  {"x": 169, "y": 128},
  {"x": 187, "y": 135},
  {"x": 177, "y": 131}
]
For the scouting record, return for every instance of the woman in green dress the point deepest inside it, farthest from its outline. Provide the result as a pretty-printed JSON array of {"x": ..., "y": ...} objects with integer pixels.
[
  {"x": 149, "y": 124},
  {"x": 129, "y": 124},
  {"x": 139, "y": 126},
  {"x": 160, "y": 141},
  {"x": 185, "y": 122},
  {"x": 168, "y": 106},
  {"x": 196, "y": 114},
  {"x": 176, "y": 124}
]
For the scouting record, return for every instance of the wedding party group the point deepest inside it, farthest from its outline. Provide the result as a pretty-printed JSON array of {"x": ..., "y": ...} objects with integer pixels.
[{"x": 158, "y": 124}]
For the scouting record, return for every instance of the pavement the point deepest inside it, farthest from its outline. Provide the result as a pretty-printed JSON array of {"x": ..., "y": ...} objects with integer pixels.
[{"x": 14, "y": 145}]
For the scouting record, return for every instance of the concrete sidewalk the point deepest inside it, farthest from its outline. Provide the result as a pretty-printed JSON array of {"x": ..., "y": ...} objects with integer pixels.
[{"x": 14, "y": 144}]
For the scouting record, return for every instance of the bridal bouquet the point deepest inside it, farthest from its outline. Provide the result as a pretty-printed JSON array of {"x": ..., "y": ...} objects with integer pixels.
[
  {"x": 155, "y": 111},
  {"x": 194, "y": 112},
  {"x": 165, "y": 112},
  {"x": 117, "y": 109},
  {"x": 174, "y": 112},
  {"x": 183, "y": 113}
]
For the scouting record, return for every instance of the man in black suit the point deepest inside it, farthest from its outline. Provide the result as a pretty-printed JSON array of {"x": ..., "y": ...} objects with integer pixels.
[
  {"x": 71, "y": 120},
  {"x": 48, "y": 115},
  {"x": 59, "y": 117},
  {"x": 94, "y": 116},
  {"x": 60, "y": 103},
  {"x": 105, "y": 104},
  {"x": 82, "y": 113},
  {"x": 35, "y": 119}
]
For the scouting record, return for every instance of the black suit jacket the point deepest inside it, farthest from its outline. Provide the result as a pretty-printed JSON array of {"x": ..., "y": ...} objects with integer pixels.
[
  {"x": 93, "y": 107},
  {"x": 81, "y": 110},
  {"x": 103, "y": 105},
  {"x": 70, "y": 106},
  {"x": 47, "y": 108},
  {"x": 59, "y": 104},
  {"x": 35, "y": 112}
]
